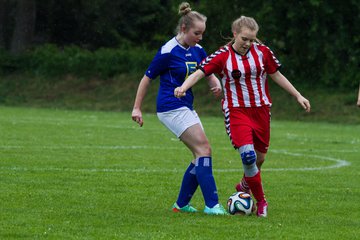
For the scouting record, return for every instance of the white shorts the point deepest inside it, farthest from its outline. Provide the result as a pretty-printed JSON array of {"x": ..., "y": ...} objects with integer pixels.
[{"x": 178, "y": 120}]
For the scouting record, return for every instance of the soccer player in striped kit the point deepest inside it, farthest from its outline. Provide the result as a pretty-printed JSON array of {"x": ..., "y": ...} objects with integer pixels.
[
  {"x": 174, "y": 62},
  {"x": 243, "y": 66}
]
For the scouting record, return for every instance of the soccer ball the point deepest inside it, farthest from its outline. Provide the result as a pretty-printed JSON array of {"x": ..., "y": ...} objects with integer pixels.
[{"x": 240, "y": 203}]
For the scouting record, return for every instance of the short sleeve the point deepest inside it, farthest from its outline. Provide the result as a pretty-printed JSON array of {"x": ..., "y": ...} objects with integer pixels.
[
  {"x": 272, "y": 64},
  {"x": 214, "y": 63},
  {"x": 158, "y": 65}
]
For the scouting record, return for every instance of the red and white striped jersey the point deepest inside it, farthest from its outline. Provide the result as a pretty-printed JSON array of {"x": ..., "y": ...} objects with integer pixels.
[{"x": 244, "y": 78}]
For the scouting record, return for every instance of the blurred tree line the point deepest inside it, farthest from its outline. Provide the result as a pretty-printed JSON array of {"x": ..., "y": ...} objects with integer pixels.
[{"x": 318, "y": 42}]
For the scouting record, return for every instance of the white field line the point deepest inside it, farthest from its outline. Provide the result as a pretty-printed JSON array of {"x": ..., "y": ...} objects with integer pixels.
[
  {"x": 337, "y": 163},
  {"x": 94, "y": 121}
]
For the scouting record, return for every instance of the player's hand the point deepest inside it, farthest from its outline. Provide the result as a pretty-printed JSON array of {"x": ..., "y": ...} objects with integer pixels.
[
  {"x": 179, "y": 92},
  {"x": 304, "y": 103},
  {"x": 137, "y": 117},
  {"x": 217, "y": 91}
]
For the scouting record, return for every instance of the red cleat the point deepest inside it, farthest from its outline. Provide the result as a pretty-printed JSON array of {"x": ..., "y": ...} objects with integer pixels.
[{"x": 262, "y": 208}]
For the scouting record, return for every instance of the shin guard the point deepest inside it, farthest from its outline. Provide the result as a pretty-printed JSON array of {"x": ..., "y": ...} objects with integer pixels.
[
  {"x": 188, "y": 186},
  {"x": 206, "y": 181},
  {"x": 256, "y": 187}
]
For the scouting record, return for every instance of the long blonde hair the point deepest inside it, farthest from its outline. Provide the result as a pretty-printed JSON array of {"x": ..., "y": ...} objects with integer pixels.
[{"x": 188, "y": 16}]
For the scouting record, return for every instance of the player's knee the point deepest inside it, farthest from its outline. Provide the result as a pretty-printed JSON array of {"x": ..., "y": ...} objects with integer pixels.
[
  {"x": 259, "y": 162},
  {"x": 207, "y": 150},
  {"x": 203, "y": 149},
  {"x": 260, "y": 159},
  {"x": 248, "y": 155},
  {"x": 248, "y": 158}
]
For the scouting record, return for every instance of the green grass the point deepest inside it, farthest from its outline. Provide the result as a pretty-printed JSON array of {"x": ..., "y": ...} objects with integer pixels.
[{"x": 97, "y": 175}]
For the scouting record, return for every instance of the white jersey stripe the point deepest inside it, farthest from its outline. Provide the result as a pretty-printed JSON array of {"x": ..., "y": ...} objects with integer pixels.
[{"x": 254, "y": 81}]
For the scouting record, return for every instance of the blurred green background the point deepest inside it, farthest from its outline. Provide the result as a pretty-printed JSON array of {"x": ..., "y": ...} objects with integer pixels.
[{"x": 91, "y": 54}]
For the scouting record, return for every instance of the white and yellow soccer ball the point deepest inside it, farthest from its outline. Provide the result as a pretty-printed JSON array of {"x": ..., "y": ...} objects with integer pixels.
[{"x": 240, "y": 203}]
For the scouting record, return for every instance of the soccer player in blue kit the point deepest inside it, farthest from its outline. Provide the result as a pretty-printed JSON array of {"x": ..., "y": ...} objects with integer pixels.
[{"x": 174, "y": 62}]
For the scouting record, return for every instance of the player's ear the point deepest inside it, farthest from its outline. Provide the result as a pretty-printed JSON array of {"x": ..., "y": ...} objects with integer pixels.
[{"x": 183, "y": 28}]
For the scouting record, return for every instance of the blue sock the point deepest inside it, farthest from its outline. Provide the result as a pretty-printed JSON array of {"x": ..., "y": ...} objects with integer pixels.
[
  {"x": 188, "y": 186},
  {"x": 206, "y": 181}
]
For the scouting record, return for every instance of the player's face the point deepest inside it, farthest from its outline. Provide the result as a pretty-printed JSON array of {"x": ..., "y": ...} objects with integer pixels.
[
  {"x": 195, "y": 33},
  {"x": 244, "y": 40}
]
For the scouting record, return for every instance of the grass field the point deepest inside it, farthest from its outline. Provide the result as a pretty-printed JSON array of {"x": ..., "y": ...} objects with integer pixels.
[{"x": 97, "y": 175}]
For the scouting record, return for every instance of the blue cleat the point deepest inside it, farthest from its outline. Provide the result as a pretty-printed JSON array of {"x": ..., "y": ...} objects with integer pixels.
[{"x": 216, "y": 210}]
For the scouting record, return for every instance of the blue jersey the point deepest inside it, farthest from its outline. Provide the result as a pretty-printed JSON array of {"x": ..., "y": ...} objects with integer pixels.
[{"x": 174, "y": 64}]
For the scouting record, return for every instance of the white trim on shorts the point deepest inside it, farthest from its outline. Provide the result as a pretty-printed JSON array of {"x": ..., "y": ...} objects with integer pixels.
[{"x": 178, "y": 120}]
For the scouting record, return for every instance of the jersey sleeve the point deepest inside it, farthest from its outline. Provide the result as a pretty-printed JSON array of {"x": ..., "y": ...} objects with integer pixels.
[
  {"x": 214, "y": 63},
  {"x": 272, "y": 64},
  {"x": 202, "y": 54},
  {"x": 158, "y": 65}
]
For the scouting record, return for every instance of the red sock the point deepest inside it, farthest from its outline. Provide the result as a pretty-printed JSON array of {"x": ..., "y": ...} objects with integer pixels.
[
  {"x": 243, "y": 186},
  {"x": 256, "y": 188},
  {"x": 243, "y": 183}
]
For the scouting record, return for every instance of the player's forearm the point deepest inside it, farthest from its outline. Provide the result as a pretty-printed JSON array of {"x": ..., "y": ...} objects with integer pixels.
[
  {"x": 284, "y": 83},
  {"x": 213, "y": 81},
  {"x": 192, "y": 80},
  {"x": 141, "y": 92}
]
